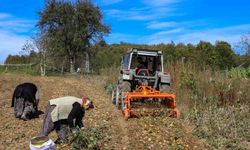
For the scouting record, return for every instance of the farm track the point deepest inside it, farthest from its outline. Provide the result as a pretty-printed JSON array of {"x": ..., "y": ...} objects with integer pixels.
[{"x": 146, "y": 132}]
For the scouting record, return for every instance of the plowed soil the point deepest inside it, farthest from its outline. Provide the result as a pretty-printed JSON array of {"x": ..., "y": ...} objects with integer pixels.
[{"x": 145, "y": 132}]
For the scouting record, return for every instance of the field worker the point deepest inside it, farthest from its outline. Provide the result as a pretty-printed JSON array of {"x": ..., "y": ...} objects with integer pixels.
[
  {"x": 61, "y": 113},
  {"x": 25, "y": 101}
]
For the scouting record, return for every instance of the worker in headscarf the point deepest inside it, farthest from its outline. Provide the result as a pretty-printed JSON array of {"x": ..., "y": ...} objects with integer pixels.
[{"x": 61, "y": 113}]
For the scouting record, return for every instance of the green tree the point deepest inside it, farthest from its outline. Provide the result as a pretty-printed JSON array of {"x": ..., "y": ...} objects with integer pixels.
[
  {"x": 168, "y": 52},
  {"x": 71, "y": 27},
  {"x": 16, "y": 59},
  {"x": 205, "y": 54},
  {"x": 225, "y": 55},
  {"x": 181, "y": 51},
  {"x": 190, "y": 53}
]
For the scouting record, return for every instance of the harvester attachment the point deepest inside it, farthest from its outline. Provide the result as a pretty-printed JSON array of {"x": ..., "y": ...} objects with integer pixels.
[{"x": 146, "y": 92}]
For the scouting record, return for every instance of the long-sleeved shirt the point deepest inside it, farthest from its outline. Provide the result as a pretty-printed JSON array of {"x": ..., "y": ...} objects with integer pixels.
[
  {"x": 68, "y": 108},
  {"x": 76, "y": 113}
]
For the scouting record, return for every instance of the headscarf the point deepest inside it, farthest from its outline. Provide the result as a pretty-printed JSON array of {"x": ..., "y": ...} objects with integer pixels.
[{"x": 87, "y": 103}]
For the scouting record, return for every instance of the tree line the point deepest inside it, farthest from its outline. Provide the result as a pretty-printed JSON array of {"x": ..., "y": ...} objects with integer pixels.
[
  {"x": 204, "y": 54},
  {"x": 70, "y": 36},
  {"x": 217, "y": 56}
]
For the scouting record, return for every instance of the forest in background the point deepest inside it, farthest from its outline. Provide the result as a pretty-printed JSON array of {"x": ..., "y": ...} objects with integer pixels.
[
  {"x": 219, "y": 56},
  {"x": 70, "y": 35}
]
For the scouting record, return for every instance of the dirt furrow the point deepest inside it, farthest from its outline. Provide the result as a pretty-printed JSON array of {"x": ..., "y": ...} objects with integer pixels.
[{"x": 114, "y": 117}]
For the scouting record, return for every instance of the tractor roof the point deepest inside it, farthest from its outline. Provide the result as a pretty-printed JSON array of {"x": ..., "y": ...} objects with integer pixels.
[{"x": 145, "y": 52}]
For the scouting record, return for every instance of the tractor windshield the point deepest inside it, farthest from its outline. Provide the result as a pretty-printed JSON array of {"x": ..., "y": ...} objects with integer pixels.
[{"x": 152, "y": 63}]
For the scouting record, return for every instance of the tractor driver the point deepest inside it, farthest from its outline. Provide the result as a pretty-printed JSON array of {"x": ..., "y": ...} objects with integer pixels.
[{"x": 141, "y": 64}]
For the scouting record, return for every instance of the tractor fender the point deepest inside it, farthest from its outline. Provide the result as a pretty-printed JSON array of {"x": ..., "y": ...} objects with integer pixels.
[
  {"x": 126, "y": 75},
  {"x": 164, "y": 78}
]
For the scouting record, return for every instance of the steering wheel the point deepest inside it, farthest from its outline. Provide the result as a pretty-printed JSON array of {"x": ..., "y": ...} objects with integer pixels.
[{"x": 142, "y": 72}]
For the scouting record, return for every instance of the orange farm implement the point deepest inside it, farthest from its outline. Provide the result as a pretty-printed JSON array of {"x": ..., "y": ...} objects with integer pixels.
[{"x": 146, "y": 92}]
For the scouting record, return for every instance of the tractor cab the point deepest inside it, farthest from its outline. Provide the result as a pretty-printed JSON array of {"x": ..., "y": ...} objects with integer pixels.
[
  {"x": 149, "y": 60},
  {"x": 143, "y": 66},
  {"x": 142, "y": 77}
]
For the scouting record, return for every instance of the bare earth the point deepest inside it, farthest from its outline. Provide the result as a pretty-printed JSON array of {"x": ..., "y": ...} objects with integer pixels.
[{"x": 145, "y": 132}]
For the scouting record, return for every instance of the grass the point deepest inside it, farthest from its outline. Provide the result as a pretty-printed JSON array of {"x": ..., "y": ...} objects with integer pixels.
[
  {"x": 238, "y": 73},
  {"x": 19, "y": 70},
  {"x": 90, "y": 139},
  {"x": 33, "y": 70},
  {"x": 216, "y": 103},
  {"x": 110, "y": 76},
  {"x": 223, "y": 127}
]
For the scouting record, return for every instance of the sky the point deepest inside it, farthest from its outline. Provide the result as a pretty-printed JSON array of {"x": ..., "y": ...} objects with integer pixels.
[{"x": 138, "y": 21}]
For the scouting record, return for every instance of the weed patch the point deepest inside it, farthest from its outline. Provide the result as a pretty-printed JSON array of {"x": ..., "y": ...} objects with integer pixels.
[{"x": 91, "y": 139}]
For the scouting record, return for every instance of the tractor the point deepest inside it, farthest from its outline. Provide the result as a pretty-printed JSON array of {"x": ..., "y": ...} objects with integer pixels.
[{"x": 142, "y": 78}]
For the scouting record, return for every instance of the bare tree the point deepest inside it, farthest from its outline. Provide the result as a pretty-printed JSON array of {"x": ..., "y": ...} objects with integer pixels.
[
  {"x": 40, "y": 41},
  {"x": 27, "y": 48},
  {"x": 245, "y": 43}
]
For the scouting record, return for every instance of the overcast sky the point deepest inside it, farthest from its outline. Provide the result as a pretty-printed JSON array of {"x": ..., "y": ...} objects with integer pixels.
[{"x": 138, "y": 21}]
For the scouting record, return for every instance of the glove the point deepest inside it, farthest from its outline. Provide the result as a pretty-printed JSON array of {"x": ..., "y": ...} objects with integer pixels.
[{"x": 73, "y": 130}]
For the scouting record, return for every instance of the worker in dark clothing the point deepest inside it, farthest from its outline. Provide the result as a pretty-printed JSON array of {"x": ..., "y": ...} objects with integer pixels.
[
  {"x": 25, "y": 101},
  {"x": 61, "y": 113}
]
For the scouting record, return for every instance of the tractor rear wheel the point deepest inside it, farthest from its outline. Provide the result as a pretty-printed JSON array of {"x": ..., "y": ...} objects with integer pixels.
[
  {"x": 117, "y": 97},
  {"x": 125, "y": 87},
  {"x": 113, "y": 98},
  {"x": 164, "y": 88}
]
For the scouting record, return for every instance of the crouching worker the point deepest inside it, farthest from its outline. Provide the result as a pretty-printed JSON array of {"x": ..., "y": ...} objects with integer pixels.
[
  {"x": 25, "y": 101},
  {"x": 64, "y": 114}
]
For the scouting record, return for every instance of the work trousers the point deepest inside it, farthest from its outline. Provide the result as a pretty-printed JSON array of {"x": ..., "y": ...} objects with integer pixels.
[
  {"x": 48, "y": 126},
  {"x": 23, "y": 109}
]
